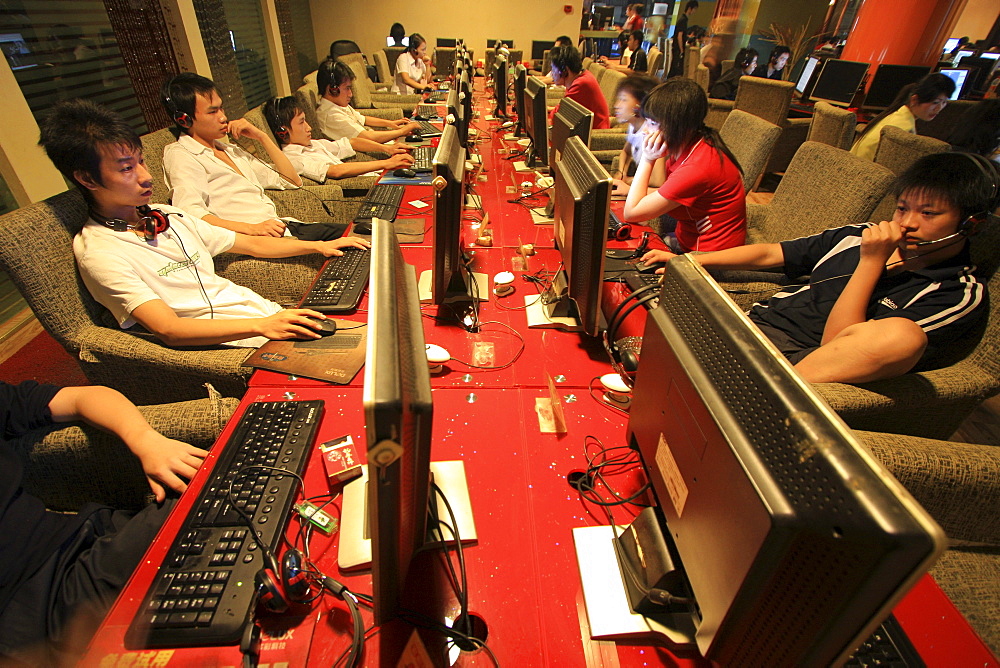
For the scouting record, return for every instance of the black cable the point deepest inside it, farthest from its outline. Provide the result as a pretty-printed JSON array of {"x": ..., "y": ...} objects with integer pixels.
[{"x": 197, "y": 275}]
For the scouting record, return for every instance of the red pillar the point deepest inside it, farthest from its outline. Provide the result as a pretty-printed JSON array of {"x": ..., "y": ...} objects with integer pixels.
[{"x": 901, "y": 32}]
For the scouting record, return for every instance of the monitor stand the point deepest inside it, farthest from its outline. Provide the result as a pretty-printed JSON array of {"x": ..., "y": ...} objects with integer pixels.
[
  {"x": 553, "y": 308},
  {"x": 473, "y": 286},
  {"x": 355, "y": 549},
  {"x": 608, "y": 610}
]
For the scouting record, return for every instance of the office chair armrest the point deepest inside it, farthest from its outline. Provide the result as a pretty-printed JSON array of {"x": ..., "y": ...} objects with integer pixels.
[{"x": 282, "y": 280}]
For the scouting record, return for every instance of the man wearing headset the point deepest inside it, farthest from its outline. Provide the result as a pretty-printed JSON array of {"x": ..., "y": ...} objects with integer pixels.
[
  {"x": 62, "y": 571},
  {"x": 885, "y": 298},
  {"x": 339, "y": 120},
  {"x": 154, "y": 266},
  {"x": 567, "y": 70},
  {"x": 217, "y": 181},
  {"x": 726, "y": 86}
]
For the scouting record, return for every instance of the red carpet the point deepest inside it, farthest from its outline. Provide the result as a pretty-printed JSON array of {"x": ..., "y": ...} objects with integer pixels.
[{"x": 44, "y": 360}]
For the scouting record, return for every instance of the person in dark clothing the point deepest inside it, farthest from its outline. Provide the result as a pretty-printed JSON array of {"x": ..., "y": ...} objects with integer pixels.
[
  {"x": 775, "y": 65},
  {"x": 679, "y": 39},
  {"x": 61, "y": 572},
  {"x": 637, "y": 61},
  {"x": 725, "y": 87}
]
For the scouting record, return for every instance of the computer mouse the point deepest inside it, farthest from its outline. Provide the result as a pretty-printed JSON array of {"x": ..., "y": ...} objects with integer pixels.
[
  {"x": 414, "y": 138},
  {"x": 363, "y": 227},
  {"x": 404, "y": 173},
  {"x": 644, "y": 268},
  {"x": 420, "y": 117},
  {"x": 327, "y": 327}
]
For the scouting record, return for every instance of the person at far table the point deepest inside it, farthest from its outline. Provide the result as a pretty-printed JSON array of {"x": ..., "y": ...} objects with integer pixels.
[
  {"x": 153, "y": 266},
  {"x": 725, "y": 87},
  {"x": 680, "y": 38},
  {"x": 637, "y": 62},
  {"x": 633, "y": 17},
  {"x": 320, "y": 159},
  {"x": 63, "y": 571},
  {"x": 775, "y": 66},
  {"x": 924, "y": 100},
  {"x": 546, "y": 77},
  {"x": 702, "y": 188},
  {"x": 567, "y": 70},
  {"x": 413, "y": 68},
  {"x": 337, "y": 119},
  {"x": 880, "y": 299}
]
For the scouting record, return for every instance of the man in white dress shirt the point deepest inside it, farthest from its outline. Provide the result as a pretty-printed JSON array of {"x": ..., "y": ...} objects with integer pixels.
[
  {"x": 219, "y": 182},
  {"x": 337, "y": 119},
  {"x": 320, "y": 159}
]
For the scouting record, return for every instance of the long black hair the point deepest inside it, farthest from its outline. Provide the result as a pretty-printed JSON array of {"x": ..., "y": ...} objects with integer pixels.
[{"x": 679, "y": 106}]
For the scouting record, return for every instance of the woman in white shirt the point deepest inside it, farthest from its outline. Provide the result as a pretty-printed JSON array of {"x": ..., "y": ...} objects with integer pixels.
[
  {"x": 413, "y": 68},
  {"x": 631, "y": 93}
]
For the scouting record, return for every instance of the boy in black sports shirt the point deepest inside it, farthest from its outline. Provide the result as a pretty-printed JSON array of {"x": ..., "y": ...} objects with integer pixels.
[{"x": 884, "y": 298}]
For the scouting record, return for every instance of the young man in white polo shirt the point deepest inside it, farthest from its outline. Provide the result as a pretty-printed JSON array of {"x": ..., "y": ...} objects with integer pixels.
[
  {"x": 320, "y": 159},
  {"x": 154, "y": 266},
  {"x": 337, "y": 119}
]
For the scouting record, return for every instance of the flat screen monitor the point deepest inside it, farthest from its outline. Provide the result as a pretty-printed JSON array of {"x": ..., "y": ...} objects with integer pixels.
[
  {"x": 520, "y": 81},
  {"x": 398, "y": 414},
  {"x": 795, "y": 542},
  {"x": 444, "y": 41},
  {"x": 538, "y": 49},
  {"x": 571, "y": 119},
  {"x": 580, "y": 229},
  {"x": 444, "y": 61},
  {"x": 500, "y": 86},
  {"x": 950, "y": 44},
  {"x": 465, "y": 92},
  {"x": 980, "y": 69},
  {"x": 960, "y": 75},
  {"x": 536, "y": 122},
  {"x": 888, "y": 81},
  {"x": 806, "y": 76},
  {"x": 964, "y": 53},
  {"x": 389, "y": 41},
  {"x": 449, "y": 280},
  {"x": 603, "y": 16},
  {"x": 838, "y": 82}
]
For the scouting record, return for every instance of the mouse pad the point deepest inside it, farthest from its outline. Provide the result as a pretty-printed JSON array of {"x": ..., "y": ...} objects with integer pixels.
[
  {"x": 615, "y": 268},
  {"x": 409, "y": 230},
  {"x": 335, "y": 359}
]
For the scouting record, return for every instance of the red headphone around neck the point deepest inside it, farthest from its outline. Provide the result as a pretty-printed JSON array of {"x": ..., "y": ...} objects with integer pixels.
[{"x": 151, "y": 222}]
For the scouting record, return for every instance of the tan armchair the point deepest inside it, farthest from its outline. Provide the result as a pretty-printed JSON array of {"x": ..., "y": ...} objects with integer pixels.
[
  {"x": 385, "y": 74},
  {"x": 392, "y": 54},
  {"x": 702, "y": 76},
  {"x": 832, "y": 125},
  {"x": 766, "y": 98},
  {"x": 366, "y": 97},
  {"x": 69, "y": 465},
  {"x": 36, "y": 251},
  {"x": 750, "y": 139},
  {"x": 654, "y": 61},
  {"x": 692, "y": 59},
  {"x": 897, "y": 150}
]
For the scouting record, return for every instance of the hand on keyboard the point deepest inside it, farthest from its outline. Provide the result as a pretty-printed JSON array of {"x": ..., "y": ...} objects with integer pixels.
[
  {"x": 400, "y": 160},
  {"x": 290, "y": 323},
  {"x": 396, "y": 149},
  {"x": 401, "y": 122},
  {"x": 166, "y": 462},
  {"x": 331, "y": 248}
]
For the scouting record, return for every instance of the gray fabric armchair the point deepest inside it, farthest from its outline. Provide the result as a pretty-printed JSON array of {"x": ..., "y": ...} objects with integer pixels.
[{"x": 751, "y": 139}]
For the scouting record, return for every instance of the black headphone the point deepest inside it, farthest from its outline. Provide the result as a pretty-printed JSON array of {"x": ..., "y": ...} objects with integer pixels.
[
  {"x": 277, "y": 594},
  {"x": 151, "y": 222},
  {"x": 968, "y": 226},
  {"x": 181, "y": 118},
  {"x": 271, "y": 109}
]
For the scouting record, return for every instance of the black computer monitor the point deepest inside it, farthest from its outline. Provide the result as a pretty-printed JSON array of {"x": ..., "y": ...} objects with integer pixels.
[
  {"x": 500, "y": 86},
  {"x": 444, "y": 41},
  {"x": 539, "y": 47},
  {"x": 465, "y": 92},
  {"x": 580, "y": 229},
  {"x": 962, "y": 53},
  {"x": 793, "y": 540},
  {"x": 536, "y": 122},
  {"x": 450, "y": 281},
  {"x": 950, "y": 44},
  {"x": 838, "y": 82},
  {"x": 603, "y": 16},
  {"x": 398, "y": 414},
  {"x": 807, "y": 77},
  {"x": 960, "y": 75},
  {"x": 887, "y": 81},
  {"x": 572, "y": 119},
  {"x": 444, "y": 60},
  {"x": 520, "y": 81},
  {"x": 979, "y": 76}
]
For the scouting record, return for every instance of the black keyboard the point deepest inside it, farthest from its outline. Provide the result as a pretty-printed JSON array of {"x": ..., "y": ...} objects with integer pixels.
[
  {"x": 340, "y": 283},
  {"x": 427, "y": 110},
  {"x": 428, "y": 129},
  {"x": 204, "y": 592},
  {"x": 887, "y": 647},
  {"x": 423, "y": 157},
  {"x": 382, "y": 202}
]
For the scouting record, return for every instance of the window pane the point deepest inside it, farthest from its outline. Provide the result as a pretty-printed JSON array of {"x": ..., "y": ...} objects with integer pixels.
[
  {"x": 62, "y": 49},
  {"x": 253, "y": 60}
]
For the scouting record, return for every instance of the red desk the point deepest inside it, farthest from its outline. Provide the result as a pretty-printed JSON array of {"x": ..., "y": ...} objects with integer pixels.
[{"x": 522, "y": 572}]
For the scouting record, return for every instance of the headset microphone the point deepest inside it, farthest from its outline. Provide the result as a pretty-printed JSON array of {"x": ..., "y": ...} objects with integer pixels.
[{"x": 960, "y": 233}]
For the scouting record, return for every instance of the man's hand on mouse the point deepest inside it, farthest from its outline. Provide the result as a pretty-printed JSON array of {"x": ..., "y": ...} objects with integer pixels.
[
  {"x": 657, "y": 256},
  {"x": 290, "y": 323}
]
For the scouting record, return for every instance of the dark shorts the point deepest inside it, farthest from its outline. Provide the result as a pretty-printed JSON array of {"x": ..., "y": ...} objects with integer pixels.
[
  {"x": 793, "y": 351},
  {"x": 53, "y": 613}
]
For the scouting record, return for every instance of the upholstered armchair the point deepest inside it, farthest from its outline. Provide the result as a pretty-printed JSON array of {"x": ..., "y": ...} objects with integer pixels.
[{"x": 897, "y": 150}]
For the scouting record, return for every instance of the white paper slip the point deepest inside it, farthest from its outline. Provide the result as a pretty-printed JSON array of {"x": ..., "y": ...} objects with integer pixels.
[{"x": 418, "y": 204}]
